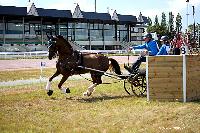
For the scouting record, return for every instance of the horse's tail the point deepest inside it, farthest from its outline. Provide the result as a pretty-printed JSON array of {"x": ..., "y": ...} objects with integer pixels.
[{"x": 115, "y": 66}]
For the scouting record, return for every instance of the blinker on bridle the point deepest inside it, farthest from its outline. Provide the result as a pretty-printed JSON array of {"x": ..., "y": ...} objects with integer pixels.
[{"x": 50, "y": 42}]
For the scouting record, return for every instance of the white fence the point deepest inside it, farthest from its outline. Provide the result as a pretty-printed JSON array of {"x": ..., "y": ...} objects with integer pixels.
[
  {"x": 105, "y": 51},
  {"x": 7, "y": 55},
  {"x": 36, "y": 54}
]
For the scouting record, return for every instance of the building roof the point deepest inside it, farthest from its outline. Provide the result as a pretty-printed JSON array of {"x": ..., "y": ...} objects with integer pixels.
[
  {"x": 54, "y": 13},
  {"x": 145, "y": 19},
  {"x": 96, "y": 16},
  {"x": 127, "y": 18},
  {"x": 12, "y": 10}
]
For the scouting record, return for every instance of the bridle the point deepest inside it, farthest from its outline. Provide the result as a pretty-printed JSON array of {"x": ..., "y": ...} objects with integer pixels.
[{"x": 52, "y": 43}]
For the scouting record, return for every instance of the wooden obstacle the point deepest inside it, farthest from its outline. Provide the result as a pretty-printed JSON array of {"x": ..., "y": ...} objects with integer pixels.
[{"x": 173, "y": 78}]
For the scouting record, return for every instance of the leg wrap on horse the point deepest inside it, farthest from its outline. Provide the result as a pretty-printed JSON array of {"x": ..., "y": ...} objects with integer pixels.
[
  {"x": 48, "y": 86},
  {"x": 90, "y": 90},
  {"x": 48, "y": 89},
  {"x": 65, "y": 90}
]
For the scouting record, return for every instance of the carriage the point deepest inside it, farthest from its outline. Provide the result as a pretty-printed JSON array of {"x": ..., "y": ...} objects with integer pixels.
[
  {"x": 135, "y": 83},
  {"x": 72, "y": 62}
]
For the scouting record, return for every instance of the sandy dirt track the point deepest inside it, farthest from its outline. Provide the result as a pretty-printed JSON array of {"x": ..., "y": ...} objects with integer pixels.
[{"x": 35, "y": 63}]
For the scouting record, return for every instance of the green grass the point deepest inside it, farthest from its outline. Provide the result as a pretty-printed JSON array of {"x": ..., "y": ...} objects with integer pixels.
[
  {"x": 22, "y": 74},
  {"x": 25, "y": 74},
  {"x": 109, "y": 109}
]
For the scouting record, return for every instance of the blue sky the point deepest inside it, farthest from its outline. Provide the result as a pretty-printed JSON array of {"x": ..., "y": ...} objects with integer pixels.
[{"x": 127, "y": 7}]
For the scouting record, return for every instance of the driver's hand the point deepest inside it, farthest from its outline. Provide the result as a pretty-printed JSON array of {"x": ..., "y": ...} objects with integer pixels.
[
  {"x": 129, "y": 49},
  {"x": 144, "y": 53}
]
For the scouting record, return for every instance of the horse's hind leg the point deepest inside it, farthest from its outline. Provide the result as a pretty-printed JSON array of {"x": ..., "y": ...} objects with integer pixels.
[
  {"x": 48, "y": 86},
  {"x": 90, "y": 90},
  {"x": 96, "y": 80}
]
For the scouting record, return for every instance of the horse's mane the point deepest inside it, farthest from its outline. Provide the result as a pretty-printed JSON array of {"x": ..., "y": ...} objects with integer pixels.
[
  {"x": 59, "y": 36},
  {"x": 64, "y": 40}
]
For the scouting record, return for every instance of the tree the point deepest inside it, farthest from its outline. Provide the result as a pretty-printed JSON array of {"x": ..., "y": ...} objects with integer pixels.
[
  {"x": 171, "y": 31},
  {"x": 163, "y": 25},
  {"x": 190, "y": 28},
  {"x": 161, "y": 30},
  {"x": 178, "y": 23},
  {"x": 171, "y": 22},
  {"x": 164, "y": 21},
  {"x": 149, "y": 21},
  {"x": 156, "y": 23}
]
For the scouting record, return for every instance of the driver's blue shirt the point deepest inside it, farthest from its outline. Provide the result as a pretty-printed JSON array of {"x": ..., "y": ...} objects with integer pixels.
[{"x": 151, "y": 46}]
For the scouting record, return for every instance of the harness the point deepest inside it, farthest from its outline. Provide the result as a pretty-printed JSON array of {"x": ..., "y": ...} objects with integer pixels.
[{"x": 72, "y": 62}]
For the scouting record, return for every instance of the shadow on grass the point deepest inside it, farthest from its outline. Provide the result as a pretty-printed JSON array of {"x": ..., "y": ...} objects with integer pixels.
[
  {"x": 99, "y": 98},
  {"x": 196, "y": 101}
]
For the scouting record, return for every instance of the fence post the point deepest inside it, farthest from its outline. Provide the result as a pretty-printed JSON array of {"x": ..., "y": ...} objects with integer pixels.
[
  {"x": 147, "y": 84},
  {"x": 184, "y": 79}
]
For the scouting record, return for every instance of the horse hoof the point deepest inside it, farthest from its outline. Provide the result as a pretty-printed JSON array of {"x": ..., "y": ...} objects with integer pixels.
[
  {"x": 87, "y": 94},
  {"x": 50, "y": 92},
  {"x": 67, "y": 90}
]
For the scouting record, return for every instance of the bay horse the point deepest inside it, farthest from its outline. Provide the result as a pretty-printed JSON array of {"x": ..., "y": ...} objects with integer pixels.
[{"x": 69, "y": 61}]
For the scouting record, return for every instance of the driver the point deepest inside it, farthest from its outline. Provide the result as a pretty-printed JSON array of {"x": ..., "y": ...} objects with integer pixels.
[{"x": 152, "y": 49}]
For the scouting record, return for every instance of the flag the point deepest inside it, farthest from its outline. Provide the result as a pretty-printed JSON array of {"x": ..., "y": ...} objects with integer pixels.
[{"x": 43, "y": 64}]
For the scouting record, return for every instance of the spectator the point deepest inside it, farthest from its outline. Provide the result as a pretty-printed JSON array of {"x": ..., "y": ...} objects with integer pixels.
[{"x": 177, "y": 43}]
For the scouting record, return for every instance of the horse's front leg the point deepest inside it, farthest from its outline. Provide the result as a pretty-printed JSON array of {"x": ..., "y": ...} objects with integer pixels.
[
  {"x": 55, "y": 75},
  {"x": 48, "y": 86},
  {"x": 64, "y": 90}
]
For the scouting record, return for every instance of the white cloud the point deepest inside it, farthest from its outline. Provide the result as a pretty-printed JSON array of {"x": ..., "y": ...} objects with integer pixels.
[{"x": 8, "y": 2}]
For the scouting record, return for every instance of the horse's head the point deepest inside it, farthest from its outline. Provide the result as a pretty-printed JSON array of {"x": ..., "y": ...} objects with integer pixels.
[
  {"x": 58, "y": 45},
  {"x": 52, "y": 47}
]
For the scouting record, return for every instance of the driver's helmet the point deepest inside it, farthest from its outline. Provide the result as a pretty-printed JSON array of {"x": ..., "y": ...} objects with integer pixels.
[
  {"x": 148, "y": 36},
  {"x": 164, "y": 38}
]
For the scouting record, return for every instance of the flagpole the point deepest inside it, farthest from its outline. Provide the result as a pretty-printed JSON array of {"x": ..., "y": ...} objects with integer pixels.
[
  {"x": 95, "y": 6},
  {"x": 193, "y": 9},
  {"x": 187, "y": 14}
]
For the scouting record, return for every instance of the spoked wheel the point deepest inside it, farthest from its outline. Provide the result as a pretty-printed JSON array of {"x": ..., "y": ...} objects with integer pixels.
[{"x": 136, "y": 85}]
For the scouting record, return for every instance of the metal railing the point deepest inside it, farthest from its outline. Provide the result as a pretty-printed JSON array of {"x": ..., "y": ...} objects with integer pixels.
[
  {"x": 35, "y": 54},
  {"x": 44, "y": 54}
]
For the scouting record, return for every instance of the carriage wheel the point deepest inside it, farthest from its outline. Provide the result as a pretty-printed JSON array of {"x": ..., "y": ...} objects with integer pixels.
[
  {"x": 139, "y": 86},
  {"x": 128, "y": 87},
  {"x": 136, "y": 86}
]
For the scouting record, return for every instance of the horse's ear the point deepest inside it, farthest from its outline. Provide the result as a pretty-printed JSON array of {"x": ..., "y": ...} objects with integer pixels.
[
  {"x": 48, "y": 37},
  {"x": 59, "y": 36}
]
